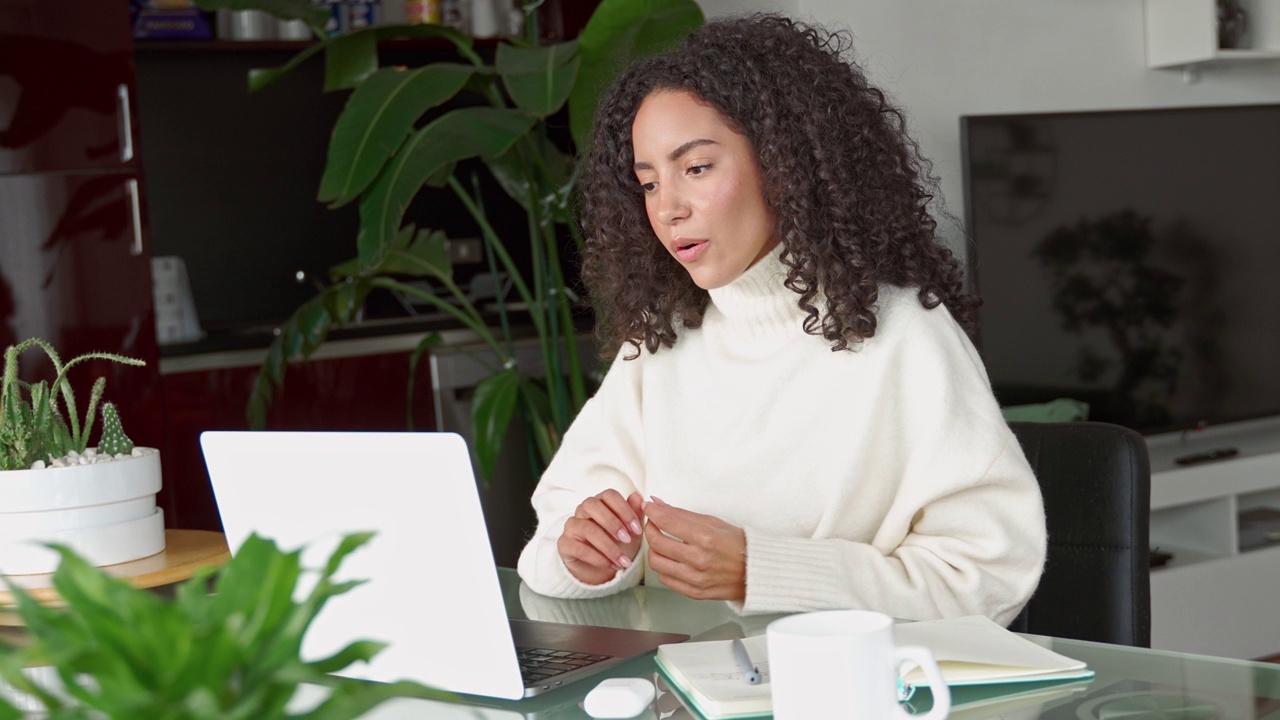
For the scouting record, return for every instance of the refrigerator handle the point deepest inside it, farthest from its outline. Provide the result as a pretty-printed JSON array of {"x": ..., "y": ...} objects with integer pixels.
[
  {"x": 126, "y": 123},
  {"x": 135, "y": 208}
]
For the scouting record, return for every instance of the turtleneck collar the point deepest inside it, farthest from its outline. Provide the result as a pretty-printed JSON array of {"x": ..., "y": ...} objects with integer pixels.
[{"x": 757, "y": 303}]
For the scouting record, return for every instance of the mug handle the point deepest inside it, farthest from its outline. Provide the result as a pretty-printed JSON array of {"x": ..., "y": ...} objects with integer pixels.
[{"x": 937, "y": 686}]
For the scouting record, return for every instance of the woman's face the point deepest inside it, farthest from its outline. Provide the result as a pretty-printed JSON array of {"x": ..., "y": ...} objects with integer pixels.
[{"x": 702, "y": 188}]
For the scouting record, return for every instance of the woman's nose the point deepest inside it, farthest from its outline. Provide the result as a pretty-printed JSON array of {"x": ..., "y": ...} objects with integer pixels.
[{"x": 671, "y": 207}]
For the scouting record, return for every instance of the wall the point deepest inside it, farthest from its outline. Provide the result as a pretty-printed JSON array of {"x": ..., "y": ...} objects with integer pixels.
[{"x": 942, "y": 59}]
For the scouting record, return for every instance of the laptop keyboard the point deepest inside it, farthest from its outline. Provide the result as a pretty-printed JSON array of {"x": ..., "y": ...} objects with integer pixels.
[{"x": 537, "y": 665}]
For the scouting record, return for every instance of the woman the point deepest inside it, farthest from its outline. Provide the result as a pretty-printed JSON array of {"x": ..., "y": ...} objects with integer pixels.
[{"x": 796, "y": 419}]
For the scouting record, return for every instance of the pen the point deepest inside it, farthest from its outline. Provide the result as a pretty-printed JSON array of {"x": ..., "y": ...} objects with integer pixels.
[{"x": 750, "y": 671}]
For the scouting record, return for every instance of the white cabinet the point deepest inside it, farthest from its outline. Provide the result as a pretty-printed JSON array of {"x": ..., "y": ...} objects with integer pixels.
[
  {"x": 1185, "y": 32},
  {"x": 1213, "y": 597}
]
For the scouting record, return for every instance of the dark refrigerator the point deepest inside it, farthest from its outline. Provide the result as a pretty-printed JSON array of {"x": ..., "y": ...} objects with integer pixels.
[{"x": 75, "y": 265}]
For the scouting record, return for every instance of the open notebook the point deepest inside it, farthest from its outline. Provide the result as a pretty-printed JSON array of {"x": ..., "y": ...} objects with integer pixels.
[{"x": 971, "y": 651}]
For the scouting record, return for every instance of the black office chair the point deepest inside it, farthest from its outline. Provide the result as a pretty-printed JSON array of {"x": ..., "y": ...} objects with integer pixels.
[{"x": 1096, "y": 483}]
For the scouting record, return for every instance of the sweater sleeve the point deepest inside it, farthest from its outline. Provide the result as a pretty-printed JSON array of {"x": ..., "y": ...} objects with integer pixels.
[
  {"x": 964, "y": 532},
  {"x": 601, "y": 450}
]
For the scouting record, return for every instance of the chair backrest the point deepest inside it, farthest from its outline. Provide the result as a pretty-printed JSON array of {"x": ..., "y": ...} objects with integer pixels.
[{"x": 1096, "y": 482}]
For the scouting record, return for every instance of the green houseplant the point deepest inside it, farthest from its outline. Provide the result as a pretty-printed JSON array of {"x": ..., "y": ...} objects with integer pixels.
[
  {"x": 54, "y": 488},
  {"x": 393, "y": 139},
  {"x": 120, "y": 652}
]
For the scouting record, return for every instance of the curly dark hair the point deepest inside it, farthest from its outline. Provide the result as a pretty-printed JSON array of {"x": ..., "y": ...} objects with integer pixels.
[{"x": 847, "y": 186}]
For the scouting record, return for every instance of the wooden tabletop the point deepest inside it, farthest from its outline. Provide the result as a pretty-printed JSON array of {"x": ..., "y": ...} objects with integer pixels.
[{"x": 184, "y": 552}]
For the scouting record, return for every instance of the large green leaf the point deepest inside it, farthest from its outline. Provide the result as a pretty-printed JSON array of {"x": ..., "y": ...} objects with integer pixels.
[
  {"x": 618, "y": 32},
  {"x": 349, "y": 59},
  {"x": 551, "y": 195},
  {"x": 123, "y": 652},
  {"x": 538, "y": 79},
  {"x": 459, "y": 134},
  {"x": 354, "y": 54},
  {"x": 299, "y": 337},
  {"x": 462, "y": 43},
  {"x": 491, "y": 409},
  {"x": 377, "y": 118},
  {"x": 427, "y": 255},
  {"x": 260, "y": 78},
  {"x": 536, "y": 408}
]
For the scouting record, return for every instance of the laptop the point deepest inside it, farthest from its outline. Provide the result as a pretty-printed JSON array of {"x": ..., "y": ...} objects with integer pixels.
[{"x": 432, "y": 588}]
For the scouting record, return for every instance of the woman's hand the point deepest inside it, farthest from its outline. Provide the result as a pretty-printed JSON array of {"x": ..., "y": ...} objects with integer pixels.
[
  {"x": 602, "y": 537},
  {"x": 708, "y": 561}
]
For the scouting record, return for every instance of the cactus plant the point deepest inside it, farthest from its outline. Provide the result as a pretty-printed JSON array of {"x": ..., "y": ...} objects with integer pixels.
[
  {"x": 113, "y": 440},
  {"x": 39, "y": 422}
]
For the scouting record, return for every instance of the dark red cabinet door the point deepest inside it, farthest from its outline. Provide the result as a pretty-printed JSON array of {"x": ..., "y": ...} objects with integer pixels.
[
  {"x": 66, "y": 85},
  {"x": 75, "y": 267},
  {"x": 74, "y": 270}
]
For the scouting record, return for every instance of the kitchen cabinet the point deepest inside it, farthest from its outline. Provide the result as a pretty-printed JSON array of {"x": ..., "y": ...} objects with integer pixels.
[
  {"x": 75, "y": 266},
  {"x": 349, "y": 385},
  {"x": 66, "y": 87}
]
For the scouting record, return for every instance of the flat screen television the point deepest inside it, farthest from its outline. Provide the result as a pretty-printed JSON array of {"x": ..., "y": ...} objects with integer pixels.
[{"x": 1129, "y": 259}]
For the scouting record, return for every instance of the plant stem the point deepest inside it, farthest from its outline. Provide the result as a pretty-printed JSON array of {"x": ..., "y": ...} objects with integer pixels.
[
  {"x": 545, "y": 228},
  {"x": 503, "y": 319},
  {"x": 472, "y": 323},
  {"x": 528, "y": 155},
  {"x": 500, "y": 250}
]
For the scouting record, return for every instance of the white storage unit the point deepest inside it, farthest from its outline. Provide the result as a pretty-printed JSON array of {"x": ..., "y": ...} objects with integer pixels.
[
  {"x": 1185, "y": 32},
  {"x": 1213, "y": 597}
]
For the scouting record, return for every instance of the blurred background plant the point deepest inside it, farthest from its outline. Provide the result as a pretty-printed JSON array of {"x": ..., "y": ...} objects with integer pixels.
[
  {"x": 395, "y": 137},
  {"x": 123, "y": 653}
]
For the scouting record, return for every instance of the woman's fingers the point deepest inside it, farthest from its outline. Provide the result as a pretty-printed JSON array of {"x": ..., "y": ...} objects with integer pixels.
[
  {"x": 602, "y": 537},
  {"x": 614, "y": 513},
  {"x": 636, "y": 502},
  {"x": 578, "y": 549},
  {"x": 708, "y": 560}
]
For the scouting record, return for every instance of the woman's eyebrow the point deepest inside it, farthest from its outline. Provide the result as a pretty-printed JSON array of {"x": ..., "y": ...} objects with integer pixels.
[{"x": 675, "y": 154}]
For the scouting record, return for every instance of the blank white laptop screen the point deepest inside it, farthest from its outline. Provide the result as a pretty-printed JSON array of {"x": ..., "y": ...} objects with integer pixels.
[{"x": 433, "y": 591}]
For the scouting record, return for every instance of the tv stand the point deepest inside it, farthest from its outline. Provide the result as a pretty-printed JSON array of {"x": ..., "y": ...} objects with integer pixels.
[
  {"x": 1212, "y": 596},
  {"x": 1201, "y": 456}
]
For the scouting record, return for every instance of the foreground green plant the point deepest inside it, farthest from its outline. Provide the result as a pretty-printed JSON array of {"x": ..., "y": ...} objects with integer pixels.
[
  {"x": 125, "y": 653},
  {"x": 404, "y": 130},
  {"x": 33, "y": 425}
]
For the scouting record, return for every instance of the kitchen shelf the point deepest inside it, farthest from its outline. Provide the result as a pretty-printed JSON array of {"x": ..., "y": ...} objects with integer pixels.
[{"x": 1184, "y": 33}]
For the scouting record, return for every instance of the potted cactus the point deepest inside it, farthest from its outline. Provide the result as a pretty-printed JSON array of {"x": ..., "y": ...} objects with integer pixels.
[{"x": 54, "y": 488}]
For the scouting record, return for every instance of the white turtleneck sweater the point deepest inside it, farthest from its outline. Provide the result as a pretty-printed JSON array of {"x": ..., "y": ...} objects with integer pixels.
[{"x": 881, "y": 478}]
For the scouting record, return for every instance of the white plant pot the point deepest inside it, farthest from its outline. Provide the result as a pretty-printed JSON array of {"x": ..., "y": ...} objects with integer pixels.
[{"x": 106, "y": 512}]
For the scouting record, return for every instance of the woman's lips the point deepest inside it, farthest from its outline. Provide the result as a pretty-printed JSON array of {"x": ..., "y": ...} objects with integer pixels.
[{"x": 689, "y": 250}]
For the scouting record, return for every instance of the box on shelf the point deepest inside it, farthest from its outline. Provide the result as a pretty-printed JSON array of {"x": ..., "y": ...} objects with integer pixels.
[
  {"x": 169, "y": 20},
  {"x": 1259, "y": 527}
]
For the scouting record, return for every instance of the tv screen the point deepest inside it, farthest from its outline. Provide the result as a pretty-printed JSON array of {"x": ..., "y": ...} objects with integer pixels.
[{"x": 1130, "y": 260}]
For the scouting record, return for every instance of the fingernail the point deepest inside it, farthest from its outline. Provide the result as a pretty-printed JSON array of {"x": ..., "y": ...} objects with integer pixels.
[
  {"x": 616, "y": 567},
  {"x": 624, "y": 561},
  {"x": 623, "y": 535},
  {"x": 635, "y": 527}
]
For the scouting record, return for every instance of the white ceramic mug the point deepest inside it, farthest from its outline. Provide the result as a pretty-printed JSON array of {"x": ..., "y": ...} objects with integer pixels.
[{"x": 844, "y": 664}]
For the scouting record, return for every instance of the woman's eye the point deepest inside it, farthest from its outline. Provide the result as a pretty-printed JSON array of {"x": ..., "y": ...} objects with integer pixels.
[
  {"x": 648, "y": 186},
  {"x": 698, "y": 169}
]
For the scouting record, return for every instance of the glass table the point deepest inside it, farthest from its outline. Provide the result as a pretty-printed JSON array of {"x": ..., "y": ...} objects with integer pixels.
[{"x": 1131, "y": 683}]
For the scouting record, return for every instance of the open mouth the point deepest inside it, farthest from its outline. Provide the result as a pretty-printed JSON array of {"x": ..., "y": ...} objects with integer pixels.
[{"x": 689, "y": 251}]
